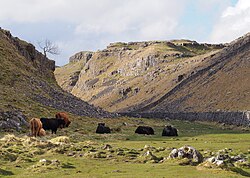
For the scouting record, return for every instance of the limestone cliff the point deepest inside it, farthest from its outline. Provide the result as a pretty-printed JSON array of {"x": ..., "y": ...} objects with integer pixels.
[
  {"x": 222, "y": 85},
  {"x": 129, "y": 76}
]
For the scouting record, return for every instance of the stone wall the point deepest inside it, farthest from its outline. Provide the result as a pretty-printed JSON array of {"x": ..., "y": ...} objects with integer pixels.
[{"x": 231, "y": 118}]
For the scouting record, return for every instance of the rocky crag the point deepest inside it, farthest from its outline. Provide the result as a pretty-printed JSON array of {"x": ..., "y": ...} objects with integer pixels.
[
  {"x": 28, "y": 87},
  {"x": 175, "y": 79},
  {"x": 125, "y": 77},
  {"x": 224, "y": 85},
  {"x": 219, "y": 92}
]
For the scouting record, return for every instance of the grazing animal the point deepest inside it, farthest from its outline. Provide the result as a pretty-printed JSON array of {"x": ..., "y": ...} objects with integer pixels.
[
  {"x": 35, "y": 126},
  {"x": 52, "y": 124},
  {"x": 145, "y": 130},
  {"x": 101, "y": 129},
  {"x": 42, "y": 132},
  {"x": 65, "y": 117},
  {"x": 169, "y": 131}
]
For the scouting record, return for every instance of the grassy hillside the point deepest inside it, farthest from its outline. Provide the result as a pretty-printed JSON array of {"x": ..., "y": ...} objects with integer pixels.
[
  {"x": 128, "y": 76},
  {"x": 222, "y": 86},
  {"x": 16, "y": 76},
  {"x": 28, "y": 85}
]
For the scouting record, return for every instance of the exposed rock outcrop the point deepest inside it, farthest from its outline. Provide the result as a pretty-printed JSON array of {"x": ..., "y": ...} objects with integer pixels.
[
  {"x": 221, "y": 85},
  {"x": 84, "y": 56},
  {"x": 42, "y": 64},
  {"x": 178, "y": 79},
  {"x": 187, "y": 152},
  {"x": 28, "y": 86},
  {"x": 12, "y": 120},
  {"x": 135, "y": 72}
]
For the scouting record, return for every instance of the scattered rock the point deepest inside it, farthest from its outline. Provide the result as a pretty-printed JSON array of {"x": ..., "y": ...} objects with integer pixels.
[
  {"x": 187, "y": 152},
  {"x": 13, "y": 119},
  {"x": 124, "y": 123},
  {"x": 148, "y": 156},
  {"x": 44, "y": 162},
  {"x": 223, "y": 160},
  {"x": 107, "y": 147}
]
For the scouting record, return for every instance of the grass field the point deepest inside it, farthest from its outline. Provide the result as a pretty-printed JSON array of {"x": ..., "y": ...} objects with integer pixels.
[{"x": 83, "y": 154}]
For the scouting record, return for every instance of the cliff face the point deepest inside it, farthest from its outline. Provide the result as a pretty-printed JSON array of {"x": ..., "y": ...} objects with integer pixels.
[
  {"x": 129, "y": 76},
  {"x": 28, "y": 85},
  {"x": 224, "y": 85},
  {"x": 34, "y": 58}
]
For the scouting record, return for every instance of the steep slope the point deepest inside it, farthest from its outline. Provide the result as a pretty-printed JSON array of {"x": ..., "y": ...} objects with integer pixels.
[
  {"x": 129, "y": 76},
  {"x": 224, "y": 85},
  {"x": 68, "y": 75},
  {"x": 28, "y": 85}
]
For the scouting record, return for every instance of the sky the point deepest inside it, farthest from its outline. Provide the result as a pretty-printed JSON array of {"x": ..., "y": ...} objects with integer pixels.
[{"x": 90, "y": 25}]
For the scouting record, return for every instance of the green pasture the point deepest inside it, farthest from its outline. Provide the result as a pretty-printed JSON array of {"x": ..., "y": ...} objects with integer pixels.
[{"x": 77, "y": 158}]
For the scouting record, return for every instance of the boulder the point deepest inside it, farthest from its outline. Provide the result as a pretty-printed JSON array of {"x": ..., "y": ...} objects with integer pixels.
[
  {"x": 223, "y": 160},
  {"x": 186, "y": 152}
]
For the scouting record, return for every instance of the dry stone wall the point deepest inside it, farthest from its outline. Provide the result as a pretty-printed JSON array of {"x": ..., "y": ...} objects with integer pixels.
[{"x": 241, "y": 118}]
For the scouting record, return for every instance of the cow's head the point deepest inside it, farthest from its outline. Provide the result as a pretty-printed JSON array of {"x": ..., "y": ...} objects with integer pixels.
[
  {"x": 67, "y": 123},
  {"x": 101, "y": 124},
  {"x": 61, "y": 123},
  {"x": 168, "y": 126}
]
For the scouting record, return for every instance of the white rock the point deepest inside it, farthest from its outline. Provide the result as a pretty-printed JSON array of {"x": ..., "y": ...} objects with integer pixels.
[
  {"x": 211, "y": 160},
  {"x": 219, "y": 162},
  {"x": 42, "y": 160}
]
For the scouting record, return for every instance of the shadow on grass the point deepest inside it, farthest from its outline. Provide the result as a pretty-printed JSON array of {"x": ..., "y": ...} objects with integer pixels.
[
  {"x": 68, "y": 166},
  {"x": 5, "y": 173},
  {"x": 240, "y": 171}
]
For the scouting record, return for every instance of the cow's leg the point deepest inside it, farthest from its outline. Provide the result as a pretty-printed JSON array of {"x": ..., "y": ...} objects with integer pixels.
[
  {"x": 32, "y": 128},
  {"x": 35, "y": 128},
  {"x": 38, "y": 130}
]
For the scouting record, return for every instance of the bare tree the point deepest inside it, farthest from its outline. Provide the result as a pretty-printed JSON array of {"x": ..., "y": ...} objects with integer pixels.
[{"x": 48, "y": 47}]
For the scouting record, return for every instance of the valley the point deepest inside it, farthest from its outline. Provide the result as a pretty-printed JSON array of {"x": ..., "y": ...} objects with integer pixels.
[{"x": 200, "y": 89}]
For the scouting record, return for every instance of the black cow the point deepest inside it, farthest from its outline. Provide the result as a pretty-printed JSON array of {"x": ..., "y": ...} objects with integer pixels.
[
  {"x": 52, "y": 124},
  {"x": 101, "y": 129},
  {"x": 169, "y": 131},
  {"x": 145, "y": 130}
]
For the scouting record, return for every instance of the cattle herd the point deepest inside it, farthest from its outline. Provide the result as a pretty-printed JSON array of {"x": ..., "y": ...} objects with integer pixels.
[
  {"x": 61, "y": 120},
  {"x": 146, "y": 130},
  {"x": 38, "y": 126}
]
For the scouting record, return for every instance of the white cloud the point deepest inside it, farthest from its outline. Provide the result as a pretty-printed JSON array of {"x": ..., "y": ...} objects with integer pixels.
[
  {"x": 96, "y": 22},
  {"x": 95, "y": 16},
  {"x": 233, "y": 23},
  {"x": 136, "y": 17},
  {"x": 93, "y": 24}
]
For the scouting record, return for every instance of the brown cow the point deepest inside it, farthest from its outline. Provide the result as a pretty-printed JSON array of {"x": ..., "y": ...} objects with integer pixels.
[
  {"x": 35, "y": 126},
  {"x": 65, "y": 117}
]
